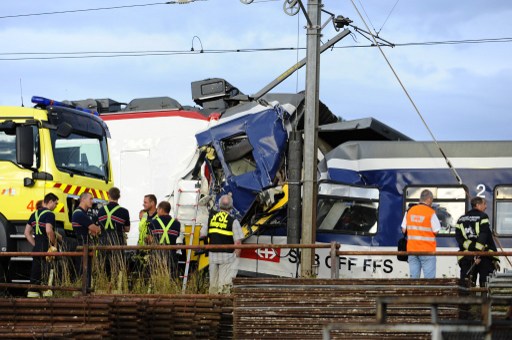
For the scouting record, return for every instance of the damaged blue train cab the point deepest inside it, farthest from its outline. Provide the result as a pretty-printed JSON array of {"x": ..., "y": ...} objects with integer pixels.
[{"x": 244, "y": 152}]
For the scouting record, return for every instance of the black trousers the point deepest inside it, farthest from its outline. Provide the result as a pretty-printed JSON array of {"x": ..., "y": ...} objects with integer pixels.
[
  {"x": 78, "y": 263},
  {"x": 40, "y": 271},
  {"x": 483, "y": 270}
]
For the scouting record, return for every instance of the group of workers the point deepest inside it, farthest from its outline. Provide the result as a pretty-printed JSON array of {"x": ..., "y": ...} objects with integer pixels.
[
  {"x": 156, "y": 226},
  {"x": 473, "y": 233},
  {"x": 221, "y": 228}
]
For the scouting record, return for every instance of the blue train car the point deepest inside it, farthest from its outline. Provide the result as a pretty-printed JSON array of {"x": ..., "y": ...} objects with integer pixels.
[
  {"x": 366, "y": 187},
  {"x": 367, "y": 179}
]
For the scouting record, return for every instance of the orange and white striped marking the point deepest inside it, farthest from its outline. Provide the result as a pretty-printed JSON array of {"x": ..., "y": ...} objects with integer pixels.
[{"x": 77, "y": 190}]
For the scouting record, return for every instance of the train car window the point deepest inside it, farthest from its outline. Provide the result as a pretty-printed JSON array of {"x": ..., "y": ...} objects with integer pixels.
[
  {"x": 449, "y": 204},
  {"x": 503, "y": 209},
  {"x": 347, "y": 209}
]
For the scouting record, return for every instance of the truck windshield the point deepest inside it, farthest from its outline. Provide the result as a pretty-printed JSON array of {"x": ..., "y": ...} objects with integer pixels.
[{"x": 82, "y": 155}]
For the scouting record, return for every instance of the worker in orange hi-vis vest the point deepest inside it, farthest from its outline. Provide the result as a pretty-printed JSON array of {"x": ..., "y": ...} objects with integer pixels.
[{"x": 422, "y": 225}]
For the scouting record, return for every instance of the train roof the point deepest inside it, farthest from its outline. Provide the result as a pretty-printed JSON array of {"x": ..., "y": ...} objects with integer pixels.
[
  {"x": 355, "y": 150},
  {"x": 293, "y": 103},
  {"x": 369, "y": 129}
]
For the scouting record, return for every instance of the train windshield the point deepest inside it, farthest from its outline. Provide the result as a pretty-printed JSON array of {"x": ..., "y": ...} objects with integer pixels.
[{"x": 347, "y": 209}]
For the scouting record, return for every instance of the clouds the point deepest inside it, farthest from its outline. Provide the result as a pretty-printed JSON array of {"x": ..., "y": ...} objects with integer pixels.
[{"x": 459, "y": 88}]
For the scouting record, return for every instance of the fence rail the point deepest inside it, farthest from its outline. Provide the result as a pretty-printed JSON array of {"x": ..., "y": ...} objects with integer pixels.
[{"x": 88, "y": 251}]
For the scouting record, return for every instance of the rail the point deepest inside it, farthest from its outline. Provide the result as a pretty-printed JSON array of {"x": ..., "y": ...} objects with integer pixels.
[{"x": 87, "y": 251}]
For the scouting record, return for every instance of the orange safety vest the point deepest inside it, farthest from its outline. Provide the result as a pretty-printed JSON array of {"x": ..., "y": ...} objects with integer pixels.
[{"x": 420, "y": 236}]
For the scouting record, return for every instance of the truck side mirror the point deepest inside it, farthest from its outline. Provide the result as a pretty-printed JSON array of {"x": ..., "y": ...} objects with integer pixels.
[{"x": 25, "y": 146}]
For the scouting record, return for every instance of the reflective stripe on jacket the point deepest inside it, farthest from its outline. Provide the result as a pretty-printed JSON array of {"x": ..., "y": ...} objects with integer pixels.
[
  {"x": 473, "y": 232},
  {"x": 220, "y": 230},
  {"x": 108, "y": 222},
  {"x": 469, "y": 226},
  {"x": 420, "y": 236},
  {"x": 37, "y": 216},
  {"x": 164, "y": 238}
]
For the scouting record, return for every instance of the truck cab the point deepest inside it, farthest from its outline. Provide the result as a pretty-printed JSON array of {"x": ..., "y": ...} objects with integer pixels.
[{"x": 55, "y": 148}]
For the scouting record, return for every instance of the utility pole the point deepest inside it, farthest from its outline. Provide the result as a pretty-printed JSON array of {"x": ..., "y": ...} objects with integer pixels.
[
  {"x": 310, "y": 136},
  {"x": 310, "y": 184}
]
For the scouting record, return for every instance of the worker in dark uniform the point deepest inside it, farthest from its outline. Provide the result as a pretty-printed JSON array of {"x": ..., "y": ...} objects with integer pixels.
[
  {"x": 473, "y": 233},
  {"x": 114, "y": 222},
  {"x": 83, "y": 227},
  {"x": 42, "y": 221},
  {"x": 164, "y": 230}
]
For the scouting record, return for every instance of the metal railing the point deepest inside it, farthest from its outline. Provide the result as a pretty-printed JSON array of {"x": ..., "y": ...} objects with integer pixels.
[
  {"x": 88, "y": 251},
  {"x": 336, "y": 253}
]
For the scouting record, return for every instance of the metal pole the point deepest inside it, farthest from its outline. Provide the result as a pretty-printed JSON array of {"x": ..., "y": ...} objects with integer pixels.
[
  {"x": 85, "y": 268},
  {"x": 294, "y": 186},
  {"x": 335, "y": 261},
  {"x": 310, "y": 137}
]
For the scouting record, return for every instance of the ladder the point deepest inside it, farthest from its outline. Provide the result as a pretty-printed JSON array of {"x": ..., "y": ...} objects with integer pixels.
[{"x": 187, "y": 206}]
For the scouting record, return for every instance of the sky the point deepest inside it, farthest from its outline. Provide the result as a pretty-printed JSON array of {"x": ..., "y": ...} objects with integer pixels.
[{"x": 463, "y": 91}]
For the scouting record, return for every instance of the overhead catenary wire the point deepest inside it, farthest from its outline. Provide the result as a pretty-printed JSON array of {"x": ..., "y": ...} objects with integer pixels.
[
  {"x": 448, "y": 162},
  {"x": 369, "y": 20},
  {"x": 387, "y": 18},
  {"x": 15, "y": 56},
  {"x": 96, "y": 9},
  {"x": 425, "y": 43},
  {"x": 385, "y": 21}
]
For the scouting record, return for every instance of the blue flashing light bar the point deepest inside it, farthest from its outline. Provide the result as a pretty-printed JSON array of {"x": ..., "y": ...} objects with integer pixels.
[{"x": 50, "y": 102}]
